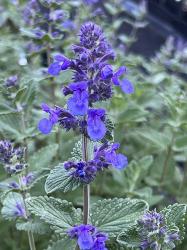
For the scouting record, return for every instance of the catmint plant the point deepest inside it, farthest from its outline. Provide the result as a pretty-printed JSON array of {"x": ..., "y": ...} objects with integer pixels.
[
  {"x": 108, "y": 223},
  {"x": 92, "y": 82}
]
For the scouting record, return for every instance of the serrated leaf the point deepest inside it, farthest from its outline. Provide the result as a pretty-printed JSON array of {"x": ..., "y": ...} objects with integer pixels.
[
  {"x": 34, "y": 226},
  {"x": 130, "y": 238},
  {"x": 9, "y": 205},
  {"x": 43, "y": 157},
  {"x": 60, "y": 214},
  {"x": 115, "y": 215},
  {"x": 109, "y": 133},
  {"x": 77, "y": 152},
  {"x": 60, "y": 179},
  {"x": 175, "y": 215}
]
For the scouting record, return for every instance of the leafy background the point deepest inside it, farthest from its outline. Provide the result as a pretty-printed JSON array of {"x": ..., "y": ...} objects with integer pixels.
[{"x": 151, "y": 124}]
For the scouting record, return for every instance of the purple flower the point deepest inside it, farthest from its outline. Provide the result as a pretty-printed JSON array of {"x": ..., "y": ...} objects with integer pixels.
[
  {"x": 117, "y": 74},
  {"x": 56, "y": 15},
  {"x": 172, "y": 237},
  {"x": 78, "y": 103},
  {"x": 154, "y": 232},
  {"x": 11, "y": 81},
  {"x": 6, "y": 151},
  {"x": 90, "y": 2},
  {"x": 13, "y": 185},
  {"x": 108, "y": 154},
  {"x": 26, "y": 180},
  {"x": 83, "y": 171},
  {"x": 57, "y": 115},
  {"x": 39, "y": 33},
  {"x": 61, "y": 63},
  {"x": 45, "y": 125},
  {"x": 88, "y": 237},
  {"x": 151, "y": 220},
  {"x": 127, "y": 86},
  {"x": 117, "y": 160},
  {"x": 106, "y": 72},
  {"x": 99, "y": 243},
  {"x": 95, "y": 126},
  {"x": 12, "y": 158},
  {"x": 68, "y": 24},
  {"x": 19, "y": 210}
]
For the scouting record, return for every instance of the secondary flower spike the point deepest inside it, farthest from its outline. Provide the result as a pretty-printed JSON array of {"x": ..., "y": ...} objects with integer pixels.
[
  {"x": 104, "y": 157},
  {"x": 154, "y": 231}
]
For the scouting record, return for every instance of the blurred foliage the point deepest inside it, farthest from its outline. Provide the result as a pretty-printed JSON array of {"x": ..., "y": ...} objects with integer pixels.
[{"x": 151, "y": 124}]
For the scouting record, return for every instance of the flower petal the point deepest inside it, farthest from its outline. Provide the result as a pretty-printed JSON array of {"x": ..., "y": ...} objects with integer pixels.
[
  {"x": 127, "y": 86},
  {"x": 85, "y": 240},
  {"x": 45, "y": 126},
  {"x": 54, "y": 69},
  {"x": 77, "y": 107},
  {"x": 96, "y": 132},
  {"x": 121, "y": 161}
]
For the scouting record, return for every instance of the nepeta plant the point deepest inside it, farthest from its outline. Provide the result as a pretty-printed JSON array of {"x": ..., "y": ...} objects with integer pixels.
[{"x": 109, "y": 223}]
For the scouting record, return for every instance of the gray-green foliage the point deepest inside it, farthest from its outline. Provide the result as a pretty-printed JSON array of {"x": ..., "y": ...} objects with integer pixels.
[
  {"x": 60, "y": 179},
  {"x": 150, "y": 125},
  {"x": 114, "y": 215},
  {"x": 174, "y": 219},
  {"x": 60, "y": 214}
]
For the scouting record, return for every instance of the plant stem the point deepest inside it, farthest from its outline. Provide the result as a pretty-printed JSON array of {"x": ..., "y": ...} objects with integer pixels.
[
  {"x": 168, "y": 154},
  {"x": 31, "y": 240},
  {"x": 29, "y": 233},
  {"x": 86, "y": 188}
]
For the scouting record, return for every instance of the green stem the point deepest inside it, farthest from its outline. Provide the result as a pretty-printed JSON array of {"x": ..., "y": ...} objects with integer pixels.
[
  {"x": 86, "y": 188},
  {"x": 168, "y": 154},
  {"x": 31, "y": 240},
  {"x": 184, "y": 180},
  {"x": 29, "y": 233}
]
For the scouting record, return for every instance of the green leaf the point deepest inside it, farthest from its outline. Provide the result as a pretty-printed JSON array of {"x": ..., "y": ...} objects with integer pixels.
[
  {"x": 60, "y": 214},
  {"x": 111, "y": 9},
  {"x": 65, "y": 244},
  {"x": 175, "y": 215},
  {"x": 77, "y": 152},
  {"x": 158, "y": 140},
  {"x": 181, "y": 143},
  {"x": 60, "y": 179},
  {"x": 38, "y": 176},
  {"x": 26, "y": 95},
  {"x": 133, "y": 174},
  {"x": 109, "y": 133},
  {"x": 114, "y": 215},
  {"x": 10, "y": 124},
  {"x": 43, "y": 157},
  {"x": 9, "y": 205},
  {"x": 130, "y": 238},
  {"x": 35, "y": 226},
  {"x": 115, "y": 246}
]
